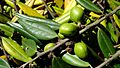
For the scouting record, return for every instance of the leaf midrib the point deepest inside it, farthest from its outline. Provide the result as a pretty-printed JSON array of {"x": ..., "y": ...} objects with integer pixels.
[
  {"x": 106, "y": 43},
  {"x": 16, "y": 49}
]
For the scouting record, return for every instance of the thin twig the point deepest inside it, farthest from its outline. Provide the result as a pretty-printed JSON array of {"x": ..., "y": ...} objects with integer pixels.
[
  {"x": 14, "y": 2},
  {"x": 1, "y": 48},
  {"x": 100, "y": 5},
  {"x": 43, "y": 53},
  {"x": 117, "y": 46},
  {"x": 94, "y": 1},
  {"x": 109, "y": 60},
  {"x": 51, "y": 13},
  {"x": 98, "y": 21}
]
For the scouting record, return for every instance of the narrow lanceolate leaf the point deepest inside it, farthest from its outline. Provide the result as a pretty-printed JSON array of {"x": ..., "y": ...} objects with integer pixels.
[
  {"x": 117, "y": 20},
  {"x": 4, "y": 64},
  {"x": 30, "y": 46},
  {"x": 7, "y": 29},
  {"x": 57, "y": 62},
  {"x": 20, "y": 29},
  {"x": 14, "y": 49},
  {"x": 39, "y": 30},
  {"x": 74, "y": 60},
  {"x": 52, "y": 24},
  {"x": 28, "y": 10},
  {"x": 89, "y": 5},
  {"x": 105, "y": 43}
]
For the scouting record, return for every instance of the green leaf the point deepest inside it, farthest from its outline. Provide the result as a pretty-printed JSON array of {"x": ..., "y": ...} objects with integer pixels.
[
  {"x": 15, "y": 50},
  {"x": 39, "y": 30},
  {"x": 117, "y": 20},
  {"x": 4, "y": 64},
  {"x": 58, "y": 10},
  {"x": 74, "y": 60},
  {"x": 114, "y": 4},
  {"x": 29, "y": 46},
  {"x": 57, "y": 62},
  {"x": 20, "y": 29},
  {"x": 3, "y": 18},
  {"x": 89, "y": 5},
  {"x": 111, "y": 30},
  {"x": 59, "y": 3},
  {"x": 52, "y": 24},
  {"x": 7, "y": 29},
  {"x": 117, "y": 66},
  {"x": 105, "y": 43}
]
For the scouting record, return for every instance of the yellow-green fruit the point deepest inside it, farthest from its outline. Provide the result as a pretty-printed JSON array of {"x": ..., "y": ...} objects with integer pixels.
[
  {"x": 68, "y": 29},
  {"x": 76, "y": 13},
  {"x": 48, "y": 46},
  {"x": 80, "y": 49}
]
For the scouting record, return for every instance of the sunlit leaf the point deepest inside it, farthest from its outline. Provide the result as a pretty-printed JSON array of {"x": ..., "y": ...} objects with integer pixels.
[
  {"x": 69, "y": 6},
  {"x": 28, "y": 10},
  {"x": 15, "y": 50},
  {"x": 59, "y": 3},
  {"x": 117, "y": 20}
]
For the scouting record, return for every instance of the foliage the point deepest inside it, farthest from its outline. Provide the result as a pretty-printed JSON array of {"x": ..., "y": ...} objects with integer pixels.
[{"x": 32, "y": 32}]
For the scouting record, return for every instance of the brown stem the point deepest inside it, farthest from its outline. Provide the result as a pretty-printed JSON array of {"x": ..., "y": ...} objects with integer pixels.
[
  {"x": 109, "y": 60},
  {"x": 98, "y": 21},
  {"x": 43, "y": 53},
  {"x": 16, "y": 9},
  {"x": 51, "y": 13}
]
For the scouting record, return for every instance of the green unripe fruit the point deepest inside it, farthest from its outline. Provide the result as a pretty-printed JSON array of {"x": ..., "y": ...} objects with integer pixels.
[
  {"x": 76, "y": 13},
  {"x": 80, "y": 49},
  {"x": 48, "y": 46},
  {"x": 68, "y": 29}
]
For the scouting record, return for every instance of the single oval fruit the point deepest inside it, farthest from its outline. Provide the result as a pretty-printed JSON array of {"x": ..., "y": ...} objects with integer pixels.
[
  {"x": 76, "y": 13},
  {"x": 48, "y": 46},
  {"x": 68, "y": 29},
  {"x": 80, "y": 49}
]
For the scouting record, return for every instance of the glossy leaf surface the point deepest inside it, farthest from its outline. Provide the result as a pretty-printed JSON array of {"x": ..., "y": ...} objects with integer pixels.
[
  {"x": 74, "y": 60},
  {"x": 89, "y": 5},
  {"x": 105, "y": 43},
  {"x": 39, "y": 30},
  {"x": 20, "y": 29},
  {"x": 52, "y": 24}
]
